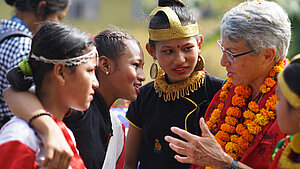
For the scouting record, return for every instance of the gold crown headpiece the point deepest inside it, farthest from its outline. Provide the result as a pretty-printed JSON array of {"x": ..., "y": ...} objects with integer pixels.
[
  {"x": 291, "y": 96},
  {"x": 176, "y": 30}
]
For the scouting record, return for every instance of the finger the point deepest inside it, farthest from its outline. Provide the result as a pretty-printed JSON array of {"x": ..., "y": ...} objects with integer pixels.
[
  {"x": 48, "y": 158},
  {"x": 54, "y": 164},
  {"x": 63, "y": 162},
  {"x": 67, "y": 161},
  {"x": 179, "y": 150},
  {"x": 182, "y": 133},
  {"x": 204, "y": 128},
  {"x": 177, "y": 142},
  {"x": 183, "y": 159}
]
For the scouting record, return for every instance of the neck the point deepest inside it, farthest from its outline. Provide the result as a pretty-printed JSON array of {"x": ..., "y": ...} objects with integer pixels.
[
  {"x": 53, "y": 104},
  {"x": 29, "y": 18},
  {"x": 107, "y": 96}
]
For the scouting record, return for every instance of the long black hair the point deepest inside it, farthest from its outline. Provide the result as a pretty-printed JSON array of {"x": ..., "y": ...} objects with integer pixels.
[{"x": 52, "y": 41}]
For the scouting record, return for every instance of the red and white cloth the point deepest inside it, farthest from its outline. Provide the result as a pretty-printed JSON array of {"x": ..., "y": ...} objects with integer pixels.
[{"x": 21, "y": 146}]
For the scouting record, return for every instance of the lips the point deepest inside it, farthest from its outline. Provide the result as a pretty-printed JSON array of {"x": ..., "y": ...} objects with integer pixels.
[
  {"x": 180, "y": 69},
  {"x": 137, "y": 86}
]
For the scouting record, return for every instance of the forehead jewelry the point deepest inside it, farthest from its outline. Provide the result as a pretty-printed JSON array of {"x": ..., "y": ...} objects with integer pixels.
[
  {"x": 69, "y": 62},
  {"x": 176, "y": 30}
]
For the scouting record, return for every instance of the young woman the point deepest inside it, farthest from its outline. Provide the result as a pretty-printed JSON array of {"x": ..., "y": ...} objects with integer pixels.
[
  {"x": 15, "y": 35},
  {"x": 99, "y": 134},
  {"x": 60, "y": 56},
  {"x": 287, "y": 151},
  {"x": 179, "y": 94}
]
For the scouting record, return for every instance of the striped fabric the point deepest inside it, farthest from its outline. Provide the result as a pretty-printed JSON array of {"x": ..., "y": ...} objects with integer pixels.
[{"x": 12, "y": 51}]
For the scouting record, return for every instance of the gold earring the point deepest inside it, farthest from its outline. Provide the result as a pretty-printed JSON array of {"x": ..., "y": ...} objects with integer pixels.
[
  {"x": 200, "y": 63},
  {"x": 107, "y": 73},
  {"x": 153, "y": 70}
]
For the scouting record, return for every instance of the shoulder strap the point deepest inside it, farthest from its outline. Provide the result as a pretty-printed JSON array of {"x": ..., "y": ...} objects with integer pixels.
[{"x": 9, "y": 34}]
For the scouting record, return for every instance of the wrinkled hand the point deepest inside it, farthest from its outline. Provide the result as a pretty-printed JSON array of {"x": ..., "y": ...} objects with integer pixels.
[
  {"x": 58, "y": 153},
  {"x": 203, "y": 151}
]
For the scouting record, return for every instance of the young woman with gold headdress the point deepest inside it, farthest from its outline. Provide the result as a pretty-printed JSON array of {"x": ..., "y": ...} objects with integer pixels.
[
  {"x": 180, "y": 93},
  {"x": 287, "y": 151}
]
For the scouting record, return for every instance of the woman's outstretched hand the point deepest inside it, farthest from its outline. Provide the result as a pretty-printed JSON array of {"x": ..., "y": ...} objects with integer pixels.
[{"x": 203, "y": 151}]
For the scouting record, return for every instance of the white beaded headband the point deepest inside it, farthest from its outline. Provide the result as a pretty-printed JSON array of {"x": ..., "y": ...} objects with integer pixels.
[{"x": 69, "y": 62}]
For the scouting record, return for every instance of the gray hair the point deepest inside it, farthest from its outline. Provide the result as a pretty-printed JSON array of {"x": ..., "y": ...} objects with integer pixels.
[{"x": 260, "y": 24}]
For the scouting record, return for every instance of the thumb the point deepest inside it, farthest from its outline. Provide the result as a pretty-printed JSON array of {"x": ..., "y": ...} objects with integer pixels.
[{"x": 204, "y": 128}]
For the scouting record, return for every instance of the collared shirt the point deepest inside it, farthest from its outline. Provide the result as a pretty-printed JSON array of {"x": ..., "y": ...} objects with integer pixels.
[{"x": 12, "y": 51}]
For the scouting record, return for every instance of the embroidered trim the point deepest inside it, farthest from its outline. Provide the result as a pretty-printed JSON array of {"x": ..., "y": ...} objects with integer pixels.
[
  {"x": 185, "y": 121},
  {"x": 170, "y": 92}
]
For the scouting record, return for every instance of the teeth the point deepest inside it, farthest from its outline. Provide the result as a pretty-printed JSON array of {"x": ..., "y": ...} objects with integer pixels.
[{"x": 180, "y": 69}]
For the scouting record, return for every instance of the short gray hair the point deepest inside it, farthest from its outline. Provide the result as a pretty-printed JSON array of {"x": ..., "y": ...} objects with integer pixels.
[{"x": 260, "y": 24}]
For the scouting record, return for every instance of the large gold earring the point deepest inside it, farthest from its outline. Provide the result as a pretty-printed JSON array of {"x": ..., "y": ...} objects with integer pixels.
[
  {"x": 153, "y": 70},
  {"x": 200, "y": 64}
]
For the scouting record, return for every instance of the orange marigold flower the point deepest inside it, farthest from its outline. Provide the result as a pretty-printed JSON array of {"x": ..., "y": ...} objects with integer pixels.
[
  {"x": 248, "y": 114},
  {"x": 272, "y": 73},
  {"x": 243, "y": 90},
  {"x": 216, "y": 113},
  {"x": 231, "y": 120},
  {"x": 261, "y": 120},
  {"x": 270, "y": 103},
  {"x": 263, "y": 88},
  {"x": 234, "y": 138},
  {"x": 220, "y": 106},
  {"x": 211, "y": 125},
  {"x": 234, "y": 111},
  {"x": 222, "y": 143},
  {"x": 238, "y": 101},
  {"x": 240, "y": 152},
  {"x": 253, "y": 128},
  {"x": 270, "y": 82},
  {"x": 253, "y": 106},
  {"x": 244, "y": 144},
  {"x": 213, "y": 119},
  {"x": 231, "y": 147},
  {"x": 223, "y": 136},
  {"x": 240, "y": 129},
  {"x": 227, "y": 128},
  {"x": 233, "y": 155},
  {"x": 223, "y": 95},
  {"x": 247, "y": 136},
  {"x": 278, "y": 69}
]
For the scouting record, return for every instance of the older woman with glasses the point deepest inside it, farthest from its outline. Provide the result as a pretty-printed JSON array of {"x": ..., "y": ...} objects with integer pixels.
[{"x": 241, "y": 126}]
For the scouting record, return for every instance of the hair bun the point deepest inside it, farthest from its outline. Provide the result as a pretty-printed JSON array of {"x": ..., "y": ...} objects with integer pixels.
[
  {"x": 163, "y": 3},
  {"x": 10, "y": 2}
]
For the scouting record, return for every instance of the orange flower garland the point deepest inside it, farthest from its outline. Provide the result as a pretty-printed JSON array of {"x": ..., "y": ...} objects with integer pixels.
[{"x": 235, "y": 138}]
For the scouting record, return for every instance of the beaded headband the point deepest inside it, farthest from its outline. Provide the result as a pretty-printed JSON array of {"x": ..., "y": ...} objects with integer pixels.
[
  {"x": 291, "y": 96},
  {"x": 69, "y": 62},
  {"x": 176, "y": 30}
]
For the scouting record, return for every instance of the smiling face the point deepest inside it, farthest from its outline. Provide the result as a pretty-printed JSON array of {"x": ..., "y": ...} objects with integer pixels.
[
  {"x": 127, "y": 75},
  {"x": 80, "y": 84},
  {"x": 247, "y": 69},
  {"x": 177, "y": 58}
]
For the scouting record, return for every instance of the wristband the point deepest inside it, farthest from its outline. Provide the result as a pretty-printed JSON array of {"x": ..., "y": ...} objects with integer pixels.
[
  {"x": 38, "y": 115},
  {"x": 234, "y": 165}
]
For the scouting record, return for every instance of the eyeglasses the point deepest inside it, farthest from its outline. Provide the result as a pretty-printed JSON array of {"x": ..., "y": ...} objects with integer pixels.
[{"x": 230, "y": 56}]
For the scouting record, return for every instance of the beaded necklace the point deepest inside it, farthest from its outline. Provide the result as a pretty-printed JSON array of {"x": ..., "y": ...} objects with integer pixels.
[{"x": 235, "y": 137}]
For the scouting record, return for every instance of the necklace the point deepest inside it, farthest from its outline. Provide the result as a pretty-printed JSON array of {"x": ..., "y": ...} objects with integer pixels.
[
  {"x": 170, "y": 92},
  {"x": 233, "y": 136}
]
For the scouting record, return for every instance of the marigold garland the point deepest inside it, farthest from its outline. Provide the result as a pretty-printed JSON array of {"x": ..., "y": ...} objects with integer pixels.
[{"x": 235, "y": 138}]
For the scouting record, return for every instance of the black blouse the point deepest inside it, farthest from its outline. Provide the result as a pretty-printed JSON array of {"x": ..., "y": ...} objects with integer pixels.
[
  {"x": 92, "y": 130},
  {"x": 155, "y": 117}
]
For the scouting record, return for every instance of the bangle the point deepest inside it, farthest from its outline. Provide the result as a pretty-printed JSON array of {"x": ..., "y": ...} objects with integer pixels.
[
  {"x": 38, "y": 115},
  {"x": 234, "y": 165}
]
